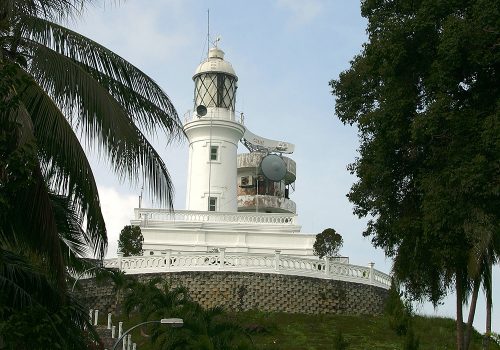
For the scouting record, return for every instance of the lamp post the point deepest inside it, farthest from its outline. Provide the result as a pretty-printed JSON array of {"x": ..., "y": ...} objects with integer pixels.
[{"x": 172, "y": 322}]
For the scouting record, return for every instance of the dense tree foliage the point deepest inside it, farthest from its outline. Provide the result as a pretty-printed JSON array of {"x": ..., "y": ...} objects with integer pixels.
[
  {"x": 202, "y": 329},
  {"x": 327, "y": 243},
  {"x": 59, "y": 90},
  {"x": 425, "y": 96},
  {"x": 34, "y": 313},
  {"x": 130, "y": 241},
  {"x": 65, "y": 85}
]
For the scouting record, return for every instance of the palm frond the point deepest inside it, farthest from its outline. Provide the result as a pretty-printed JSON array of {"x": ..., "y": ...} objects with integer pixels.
[
  {"x": 100, "y": 118},
  {"x": 34, "y": 222},
  {"x": 51, "y": 9},
  {"x": 21, "y": 283},
  {"x": 29, "y": 296},
  {"x": 69, "y": 224},
  {"x": 30, "y": 216},
  {"x": 65, "y": 160},
  {"x": 144, "y": 113},
  {"x": 481, "y": 228},
  {"x": 122, "y": 75}
]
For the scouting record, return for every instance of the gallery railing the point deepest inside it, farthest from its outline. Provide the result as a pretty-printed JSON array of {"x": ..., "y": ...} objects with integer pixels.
[
  {"x": 245, "y": 262},
  {"x": 148, "y": 215}
]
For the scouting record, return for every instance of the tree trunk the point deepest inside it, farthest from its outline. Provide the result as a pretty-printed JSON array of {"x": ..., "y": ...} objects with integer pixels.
[
  {"x": 488, "y": 306},
  {"x": 472, "y": 312},
  {"x": 460, "y": 319}
]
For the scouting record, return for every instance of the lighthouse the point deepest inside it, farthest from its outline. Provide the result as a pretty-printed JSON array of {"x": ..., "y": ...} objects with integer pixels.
[
  {"x": 235, "y": 203},
  {"x": 213, "y": 132}
]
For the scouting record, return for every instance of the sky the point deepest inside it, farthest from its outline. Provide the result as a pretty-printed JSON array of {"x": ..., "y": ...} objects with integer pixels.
[{"x": 284, "y": 52}]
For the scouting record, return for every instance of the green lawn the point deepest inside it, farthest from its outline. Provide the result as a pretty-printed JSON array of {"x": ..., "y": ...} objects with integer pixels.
[
  {"x": 315, "y": 332},
  {"x": 292, "y": 331}
]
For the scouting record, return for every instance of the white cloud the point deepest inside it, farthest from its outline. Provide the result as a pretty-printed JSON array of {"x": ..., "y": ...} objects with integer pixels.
[
  {"x": 118, "y": 210},
  {"x": 302, "y": 11},
  {"x": 143, "y": 35}
]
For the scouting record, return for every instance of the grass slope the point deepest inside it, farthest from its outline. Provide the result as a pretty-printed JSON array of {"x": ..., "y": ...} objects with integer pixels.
[
  {"x": 315, "y": 332},
  {"x": 280, "y": 331}
]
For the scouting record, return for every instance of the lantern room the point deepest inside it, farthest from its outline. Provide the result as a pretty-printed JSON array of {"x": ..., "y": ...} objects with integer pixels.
[{"x": 215, "y": 84}]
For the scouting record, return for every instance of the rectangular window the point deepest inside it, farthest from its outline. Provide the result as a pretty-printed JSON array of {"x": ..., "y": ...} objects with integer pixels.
[
  {"x": 214, "y": 152},
  {"x": 212, "y": 203}
]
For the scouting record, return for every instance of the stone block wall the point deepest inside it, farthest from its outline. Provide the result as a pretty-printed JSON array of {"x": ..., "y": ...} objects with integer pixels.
[
  {"x": 241, "y": 291},
  {"x": 100, "y": 296}
]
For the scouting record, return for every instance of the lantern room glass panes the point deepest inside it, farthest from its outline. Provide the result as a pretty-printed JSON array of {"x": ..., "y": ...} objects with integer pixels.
[{"x": 215, "y": 90}]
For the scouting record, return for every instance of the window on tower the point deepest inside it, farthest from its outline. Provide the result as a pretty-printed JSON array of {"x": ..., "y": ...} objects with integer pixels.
[
  {"x": 212, "y": 203},
  {"x": 214, "y": 152}
]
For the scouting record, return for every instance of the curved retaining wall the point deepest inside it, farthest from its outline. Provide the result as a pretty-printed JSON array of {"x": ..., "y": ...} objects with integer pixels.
[{"x": 241, "y": 291}]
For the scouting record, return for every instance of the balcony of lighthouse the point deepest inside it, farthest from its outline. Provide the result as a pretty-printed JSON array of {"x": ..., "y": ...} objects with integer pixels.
[
  {"x": 258, "y": 194},
  {"x": 215, "y": 114}
]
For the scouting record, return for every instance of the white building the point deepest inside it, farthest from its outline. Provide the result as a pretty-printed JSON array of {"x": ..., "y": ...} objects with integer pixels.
[
  {"x": 239, "y": 203},
  {"x": 239, "y": 215}
]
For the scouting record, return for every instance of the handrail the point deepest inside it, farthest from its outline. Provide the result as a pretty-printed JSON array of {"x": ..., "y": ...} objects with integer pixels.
[
  {"x": 236, "y": 116},
  {"x": 163, "y": 215},
  {"x": 247, "y": 262}
]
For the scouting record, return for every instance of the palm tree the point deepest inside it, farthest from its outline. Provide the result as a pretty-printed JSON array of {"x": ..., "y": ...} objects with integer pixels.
[
  {"x": 58, "y": 89},
  {"x": 31, "y": 313},
  {"x": 209, "y": 329},
  {"x": 203, "y": 328},
  {"x": 153, "y": 302},
  {"x": 59, "y": 84},
  {"x": 484, "y": 254}
]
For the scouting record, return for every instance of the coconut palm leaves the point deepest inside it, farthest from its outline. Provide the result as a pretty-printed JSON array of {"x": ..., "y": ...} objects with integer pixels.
[
  {"x": 34, "y": 313},
  {"x": 68, "y": 89},
  {"x": 210, "y": 329},
  {"x": 153, "y": 302},
  {"x": 203, "y": 328},
  {"x": 59, "y": 89}
]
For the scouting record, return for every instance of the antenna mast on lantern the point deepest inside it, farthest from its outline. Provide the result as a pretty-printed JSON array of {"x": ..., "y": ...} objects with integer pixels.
[{"x": 208, "y": 32}]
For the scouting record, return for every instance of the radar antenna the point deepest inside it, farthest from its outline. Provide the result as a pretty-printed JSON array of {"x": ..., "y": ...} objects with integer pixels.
[{"x": 255, "y": 143}]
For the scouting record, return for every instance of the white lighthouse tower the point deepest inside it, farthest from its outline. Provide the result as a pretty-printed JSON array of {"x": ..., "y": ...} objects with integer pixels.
[
  {"x": 213, "y": 134},
  {"x": 239, "y": 215},
  {"x": 234, "y": 203}
]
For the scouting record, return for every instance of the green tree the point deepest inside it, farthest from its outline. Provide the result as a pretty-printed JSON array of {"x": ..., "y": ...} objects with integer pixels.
[
  {"x": 327, "y": 243},
  {"x": 57, "y": 87},
  {"x": 397, "y": 311},
  {"x": 425, "y": 96},
  {"x": 130, "y": 241},
  {"x": 153, "y": 302},
  {"x": 65, "y": 85},
  {"x": 202, "y": 329},
  {"x": 32, "y": 315}
]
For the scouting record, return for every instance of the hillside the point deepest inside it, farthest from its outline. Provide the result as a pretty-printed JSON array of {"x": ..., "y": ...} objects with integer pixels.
[
  {"x": 314, "y": 332},
  {"x": 282, "y": 331}
]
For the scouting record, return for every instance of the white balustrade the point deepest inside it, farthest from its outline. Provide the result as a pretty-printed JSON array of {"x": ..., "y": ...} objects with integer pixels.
[
  {"x": 246, "y": 262},
  {"x": 237, "y": 116},
  {"x": 163, "y": 215}
]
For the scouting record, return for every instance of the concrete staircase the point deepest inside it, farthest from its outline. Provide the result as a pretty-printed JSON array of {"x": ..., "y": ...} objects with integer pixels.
[{"x": 105, "y": 335}]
